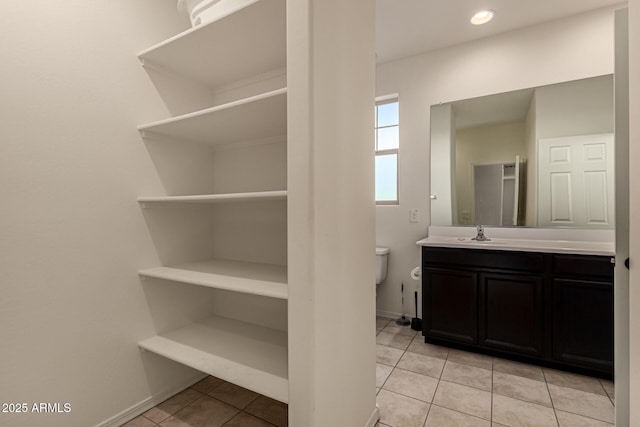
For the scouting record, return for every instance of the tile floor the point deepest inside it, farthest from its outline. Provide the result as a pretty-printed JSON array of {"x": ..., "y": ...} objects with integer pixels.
[
  {"x": 419, "y": 385},
  {"x": 425, "y": 385},
  {"x": 213, "y": 402}
]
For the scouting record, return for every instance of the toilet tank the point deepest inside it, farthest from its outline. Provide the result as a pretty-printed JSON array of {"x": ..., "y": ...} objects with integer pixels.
[{"x": 382, "y": 254}]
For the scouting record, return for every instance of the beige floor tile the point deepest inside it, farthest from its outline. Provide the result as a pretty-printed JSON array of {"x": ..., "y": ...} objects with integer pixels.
[
  {"x": 519, "y": 369},
  {"x": 582, "y": 403},
  {"x": 498, "y": 425},
  {"x": 382, "y": 373},
  {"x": 467, "y": 375},
  {"x": 422, "y": 364},
  {"x": 575, "y": 381},
  {"x": 521, "y": 388},
  {"x": 609, "y": 387},
  {"x": 269, "y": 410},
  {"x": 140, "y": 422},
  {"x": 388, "y": 355},
  {"x": 443, "y": 417},
  {"x": 473, "y": 359},
  {"x": 517, "y": 413},
  {"x": 393, "y": 340},
  {"x": 397, "y": 410},
  {"x": 204, "y": 412},
  {"x": 420, "y": 347},
  {"x": 410, "y": 384},
  {"x": 465, "y": 399},
  {"x": 208, "y": 384},
  {"x": 572, "y": 420},
  {"x": 234, "y": 395},
  {"x": 172, "y": 405},
  {"x": 245, "y": 420},
  {"x": 392, "y": 328},
  {"x": 381, "y": 322}
]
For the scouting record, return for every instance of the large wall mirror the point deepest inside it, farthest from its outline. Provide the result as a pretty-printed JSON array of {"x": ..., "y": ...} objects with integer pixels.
[{"x": 539, "y": 157}]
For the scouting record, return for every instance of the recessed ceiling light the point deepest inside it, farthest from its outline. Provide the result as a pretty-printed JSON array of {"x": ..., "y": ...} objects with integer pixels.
[{"x": 483, "y": 17}]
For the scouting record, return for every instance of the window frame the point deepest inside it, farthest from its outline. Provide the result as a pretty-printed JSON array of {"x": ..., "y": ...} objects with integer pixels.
[{"x": 388, "y": 99}]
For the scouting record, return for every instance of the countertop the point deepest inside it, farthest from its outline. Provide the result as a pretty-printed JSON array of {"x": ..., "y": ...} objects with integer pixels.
[{"x": 523, "y": 245}]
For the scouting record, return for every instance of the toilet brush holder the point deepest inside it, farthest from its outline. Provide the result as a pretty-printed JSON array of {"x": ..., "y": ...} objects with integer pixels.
[
  {"x": 416, "y": 322},
  {"x": 403, "y": 321}
]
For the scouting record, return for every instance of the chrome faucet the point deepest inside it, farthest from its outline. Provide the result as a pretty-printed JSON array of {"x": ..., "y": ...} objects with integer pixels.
[{"x": 481, "y": 237}]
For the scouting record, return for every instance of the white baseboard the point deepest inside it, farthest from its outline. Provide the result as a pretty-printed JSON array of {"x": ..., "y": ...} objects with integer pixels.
[
  {"x": 148, "y": 403},
  {"x": 374, "y": 418},
  {"x": 389, "y": 314}
]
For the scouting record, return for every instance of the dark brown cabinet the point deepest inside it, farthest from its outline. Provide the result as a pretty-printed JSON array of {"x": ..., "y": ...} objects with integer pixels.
[
  {"x": 556, "y": 309},
  {"x": 511, "y": 316},
  {"x": 458, "y": 319},
  {"x": 583, "y": 312}
]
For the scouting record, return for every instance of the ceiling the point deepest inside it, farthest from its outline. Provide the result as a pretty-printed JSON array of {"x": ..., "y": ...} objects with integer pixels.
[
  {"x": 409, "y": 27},
  {"x": 493, "y": 109}
]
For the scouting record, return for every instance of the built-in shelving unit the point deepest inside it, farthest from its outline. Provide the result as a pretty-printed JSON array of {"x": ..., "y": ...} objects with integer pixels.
[
  {"x": 251, "y": 356},
  {"x": 234, "y": 52},
  {"x": 248, "y": 277},
  {"x": 244, "y": 44}
]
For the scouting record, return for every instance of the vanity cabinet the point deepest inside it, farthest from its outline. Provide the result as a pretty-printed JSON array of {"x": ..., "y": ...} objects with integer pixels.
[{"x": 555, "y": 309}]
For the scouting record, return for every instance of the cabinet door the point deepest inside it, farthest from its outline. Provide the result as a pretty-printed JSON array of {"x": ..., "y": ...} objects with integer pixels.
[
  {"x": 583, "y": 323},
  {"x": 511, "y": 313},
  {"x": 450, "y": 301}
]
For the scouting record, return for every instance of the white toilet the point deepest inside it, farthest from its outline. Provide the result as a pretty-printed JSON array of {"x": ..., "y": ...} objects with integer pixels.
[{"x": 382, "y": 254}]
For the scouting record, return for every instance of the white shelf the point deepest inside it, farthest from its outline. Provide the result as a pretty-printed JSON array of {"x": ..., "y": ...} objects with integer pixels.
[
  {"x": 256, "y": 118},
  {"x": 251, "y": 356},
  {"x": 247, "y": 277},
  {"x": 243, "y": 44},
  {"x": 217, "y": 198}
]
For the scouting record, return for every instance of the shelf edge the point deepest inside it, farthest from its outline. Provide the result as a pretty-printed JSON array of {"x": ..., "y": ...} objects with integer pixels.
[
  {"x": 265, "y": 288},
  {"x": 217, "y": 198},
  {"x": 211, "y": 110}
]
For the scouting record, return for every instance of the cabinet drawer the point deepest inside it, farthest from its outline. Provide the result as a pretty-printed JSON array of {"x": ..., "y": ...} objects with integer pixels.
[
  {"x": 583, "y": 265},
  {"x": 481, "y": 258}
]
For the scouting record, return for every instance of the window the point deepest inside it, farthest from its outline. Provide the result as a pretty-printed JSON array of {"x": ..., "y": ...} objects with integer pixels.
[{"x": 386, "y": 146}]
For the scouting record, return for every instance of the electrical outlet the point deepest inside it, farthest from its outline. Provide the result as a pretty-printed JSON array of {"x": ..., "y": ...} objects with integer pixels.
[{"x": 413, "y": 215}]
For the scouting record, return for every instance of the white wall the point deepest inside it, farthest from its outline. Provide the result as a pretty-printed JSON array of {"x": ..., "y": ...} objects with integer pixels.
[
  {"x": 72, "y": 235},
  {"x": 331, "y": 213},
  {"x": 634, "y": 179},
  {"x": 569, "y": 49}
]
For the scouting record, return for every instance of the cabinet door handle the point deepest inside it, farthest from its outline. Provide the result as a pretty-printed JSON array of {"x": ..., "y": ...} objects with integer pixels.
[{"x": 626, "y": 263}]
